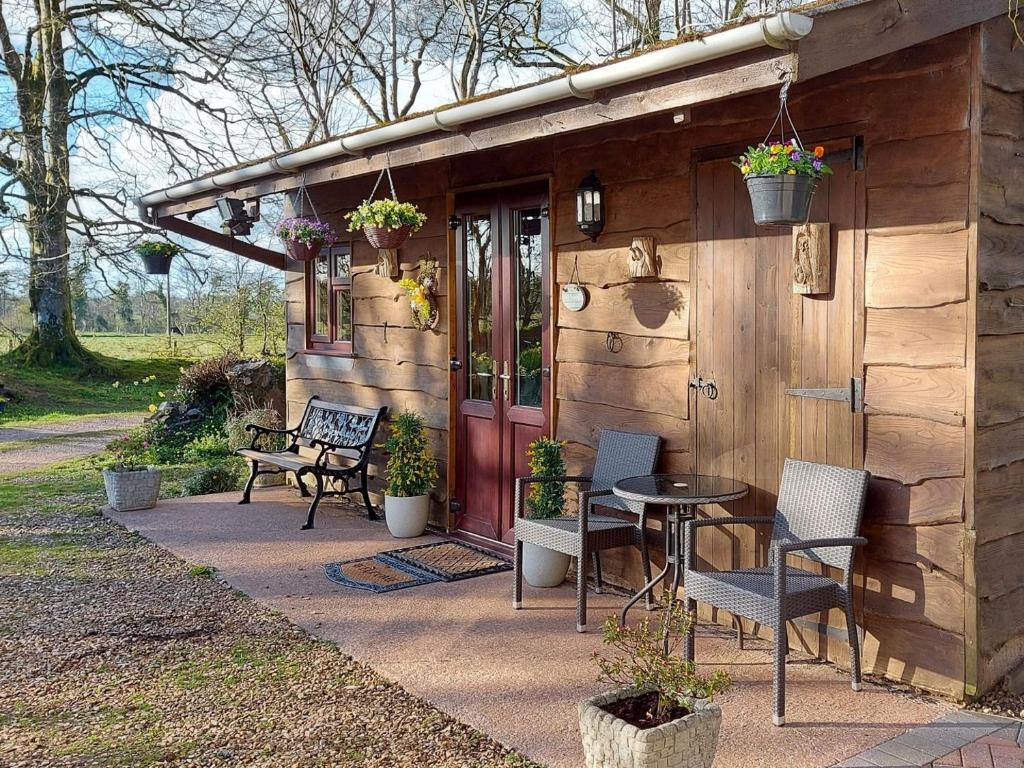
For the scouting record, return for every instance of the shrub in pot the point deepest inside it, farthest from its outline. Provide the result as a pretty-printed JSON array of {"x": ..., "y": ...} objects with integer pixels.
[
  {"x": 304, "y": 238},
  {"x": 386, "y": 223},
  {"x": 544, "y": 567},
  {"x": 412, "y": 472},
  {"x": 663, "y": 713},
  {"x": 129, "y": 478},
  {"x": 781, "y": 179}
]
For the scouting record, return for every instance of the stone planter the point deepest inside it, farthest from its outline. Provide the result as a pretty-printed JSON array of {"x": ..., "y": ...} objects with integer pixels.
[
  {"x": 609, "y": 742},
  {"x": 406, "y": 516},
  {"x": 544, "y": 567},
  {"x": 136, "y": 489},
  {"x": 781, "y": 199}
]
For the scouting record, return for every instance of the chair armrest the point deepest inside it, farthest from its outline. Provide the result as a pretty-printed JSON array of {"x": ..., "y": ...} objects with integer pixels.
[
  {"x": 522, "y": 482},
  {"x": 796, "y": 546},
  {"x": 690, "y": 533}
]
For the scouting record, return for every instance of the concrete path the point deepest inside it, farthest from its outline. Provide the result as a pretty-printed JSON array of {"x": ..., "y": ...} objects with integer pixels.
[
  {"x": 515, "y": 675},
  {"x": 26, "y": 448}
]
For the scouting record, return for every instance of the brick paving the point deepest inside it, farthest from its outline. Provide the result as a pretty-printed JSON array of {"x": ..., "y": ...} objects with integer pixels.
[{"x": 962, "y": 739}]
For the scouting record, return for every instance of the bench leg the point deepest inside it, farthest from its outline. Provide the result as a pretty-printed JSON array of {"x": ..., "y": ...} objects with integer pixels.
[
  {"x": 303, "y": 490},
  {"x": 315, "y": 503},
  {"x": 249, "y": 483},
  {"x": 371, "y": 513}
]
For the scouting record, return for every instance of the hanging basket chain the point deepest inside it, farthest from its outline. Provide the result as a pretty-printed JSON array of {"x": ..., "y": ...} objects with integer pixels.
[
  {"x": 385, "y": 170},
  {"x": 303, "y": 192},
  {"x": 783, "y": 116}
]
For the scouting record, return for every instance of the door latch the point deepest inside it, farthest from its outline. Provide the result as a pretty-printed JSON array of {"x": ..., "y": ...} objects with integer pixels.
[
  {"x": 454, "y": 364},
  {"x": 707, "y": 387}
]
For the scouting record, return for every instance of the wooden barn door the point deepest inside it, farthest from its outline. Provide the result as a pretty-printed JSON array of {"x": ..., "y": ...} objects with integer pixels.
[
  {"x": 756, "y": 339},
  {"x": 500, "y": 379}
]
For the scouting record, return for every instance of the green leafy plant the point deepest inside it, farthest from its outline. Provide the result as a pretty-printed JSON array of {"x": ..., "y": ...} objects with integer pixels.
[
  {"x": 389, "y": 214},
  {"x": 238, "y": 437},
  {"x": 157, "y": 248},
  {"x": 546, "y": 500},
  {"x": 642, "y": 663},
  {"x": 781, "y": 159},
  {"x": 208, "y": 448},
  {"x": 219, "y": 478},
  {"x": 411, "y": 468}
]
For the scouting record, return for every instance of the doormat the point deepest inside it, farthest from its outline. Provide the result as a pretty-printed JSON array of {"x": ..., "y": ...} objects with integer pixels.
[
  {"x": 423, "y": 564},
  {"x": 377, "y": 574},
  {"x": 452, "y": 560}
]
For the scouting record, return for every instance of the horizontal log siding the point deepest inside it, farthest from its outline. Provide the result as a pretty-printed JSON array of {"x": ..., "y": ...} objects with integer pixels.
[{"x": 999, "y": 437}]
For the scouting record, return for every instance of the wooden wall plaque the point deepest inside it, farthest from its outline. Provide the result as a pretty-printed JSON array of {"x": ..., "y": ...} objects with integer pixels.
[{"x": 811, "y": 258}]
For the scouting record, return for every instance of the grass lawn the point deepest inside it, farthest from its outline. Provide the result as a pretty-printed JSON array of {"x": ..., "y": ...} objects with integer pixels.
[
  {"x": 54, "y": 395},
  {"x": 116, "y": 653}
]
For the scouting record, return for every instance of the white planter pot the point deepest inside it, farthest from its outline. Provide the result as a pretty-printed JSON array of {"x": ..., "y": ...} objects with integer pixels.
[
  {"x": 544, "y": 567},
  {"x": 127, "y": 491},
  {"x": 609, "y": 742},
  {"x": 406, "y": 516}
]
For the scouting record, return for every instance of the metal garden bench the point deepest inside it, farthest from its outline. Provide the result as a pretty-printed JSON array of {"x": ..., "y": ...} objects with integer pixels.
[
  {"x": 817, "y": 518},
  {"x": 342, "y": 436}
]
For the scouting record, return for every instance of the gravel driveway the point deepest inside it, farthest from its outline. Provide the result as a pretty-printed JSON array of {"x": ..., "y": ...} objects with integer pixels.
[
  {"x": 116, "y": 653},
  {"x": 25, "y": 448}
]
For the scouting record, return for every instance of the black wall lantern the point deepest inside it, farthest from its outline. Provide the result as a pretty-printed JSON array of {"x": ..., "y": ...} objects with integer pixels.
[{"x": 590, "y": 206}]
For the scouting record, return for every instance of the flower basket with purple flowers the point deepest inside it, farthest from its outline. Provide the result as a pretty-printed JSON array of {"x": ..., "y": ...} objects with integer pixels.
[{"x": 303, "y": 238}]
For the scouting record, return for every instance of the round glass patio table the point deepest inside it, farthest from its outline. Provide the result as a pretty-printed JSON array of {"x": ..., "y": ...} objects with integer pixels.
[{"x": 681, "y": 494}]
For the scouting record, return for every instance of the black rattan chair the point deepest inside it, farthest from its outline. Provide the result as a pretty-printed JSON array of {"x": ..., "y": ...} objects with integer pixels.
[
  {"x": 818, "y": 518},
  {"x": 619, "y": 455}
]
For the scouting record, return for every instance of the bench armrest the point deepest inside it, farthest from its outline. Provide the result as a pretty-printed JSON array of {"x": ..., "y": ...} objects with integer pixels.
[{"x": 259, "y": 431}]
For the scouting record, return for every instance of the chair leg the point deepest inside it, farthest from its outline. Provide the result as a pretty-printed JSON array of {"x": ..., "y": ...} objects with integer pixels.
[
  {"x": 739, "y": 631},
  {"x": 599, "y": 584},
  {"x": 517, "y": 576},
  {"x": 254, "y": 470},
  {"x": 581, "y": 593},
  {"x": 315, "y": 503},
  {"x": 779, "y": 678},
  {"x": 851, "y": 632},
  {"x": 688, "y": 644}
]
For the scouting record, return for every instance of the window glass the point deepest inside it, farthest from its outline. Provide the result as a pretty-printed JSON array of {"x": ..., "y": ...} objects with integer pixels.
[
  {"x": 479, "y": 319},
  {"x": 529, "y": 306},
  {"x": 343, "y": 315},
  {"x": 321, "y": 298}
]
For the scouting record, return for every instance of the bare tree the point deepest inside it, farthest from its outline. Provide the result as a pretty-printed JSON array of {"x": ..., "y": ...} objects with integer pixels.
[{"x": 79, "y": 75}]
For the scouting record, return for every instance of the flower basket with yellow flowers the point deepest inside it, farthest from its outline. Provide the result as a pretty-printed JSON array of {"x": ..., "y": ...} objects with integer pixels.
[
  {"x": 386, "y": 223},
  {"x": 781, "y": 179},
  {"x": 156, "y": 255}
]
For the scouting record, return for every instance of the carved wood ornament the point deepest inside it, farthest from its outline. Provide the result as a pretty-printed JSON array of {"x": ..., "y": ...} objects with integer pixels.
[
  {"x": 387, "y": 262},
  {"x": 811, "y": 258},
  {"x": 642, "y": 261}
]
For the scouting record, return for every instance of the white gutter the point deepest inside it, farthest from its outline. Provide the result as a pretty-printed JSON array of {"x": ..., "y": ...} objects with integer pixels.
[{"x": 777, "y": 31}]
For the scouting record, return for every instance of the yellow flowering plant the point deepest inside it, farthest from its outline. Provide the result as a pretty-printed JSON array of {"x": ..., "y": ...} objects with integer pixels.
[
  {"x": 417, "y": 298},
  {"x": 388, "y": 214},
  {"x": 157, "y": 248},
  {"x": 777, "y": 159}
]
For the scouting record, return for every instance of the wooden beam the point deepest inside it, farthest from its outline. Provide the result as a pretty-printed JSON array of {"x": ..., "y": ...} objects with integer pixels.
[{"x": 222, "y": 241}]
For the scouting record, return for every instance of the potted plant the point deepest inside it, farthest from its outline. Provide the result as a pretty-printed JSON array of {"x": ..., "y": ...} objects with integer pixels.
[
  {"x": 130, "y": 480},
  {"x": 544, "y": 567},
  {"x": 386, "y": 223},
  {"x": 662, "y": 714},
  {"x": 156, "y": 256},
  {"x": 303, "y": 238},
  {"x": 422, "y": 293},
  {"x": 781, "y": 180},
  {"x": 412, "y": 472}
]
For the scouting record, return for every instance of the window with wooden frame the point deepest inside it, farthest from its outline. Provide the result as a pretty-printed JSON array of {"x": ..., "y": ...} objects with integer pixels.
[{"x": 329, "y": 300}]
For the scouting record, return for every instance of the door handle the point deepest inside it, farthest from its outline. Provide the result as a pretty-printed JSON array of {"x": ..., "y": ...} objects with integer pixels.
[
  {"x": 505, "y": 377},
  {"x": 454, "y": 364}
]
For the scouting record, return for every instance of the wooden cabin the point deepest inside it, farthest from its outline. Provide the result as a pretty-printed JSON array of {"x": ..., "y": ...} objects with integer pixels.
[{"x": 920, "y": 105}]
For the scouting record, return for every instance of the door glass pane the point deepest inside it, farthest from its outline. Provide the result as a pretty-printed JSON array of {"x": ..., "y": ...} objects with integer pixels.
[
  {"x": 320, "y": 297},
  {"x": 528, "y": 250},
  {"x": 479, "y": 314}
]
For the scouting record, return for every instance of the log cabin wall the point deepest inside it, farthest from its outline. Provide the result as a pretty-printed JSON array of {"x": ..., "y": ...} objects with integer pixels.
[
  {"x": 912, "y": 110},
  {"x": 999, "y": 436}
]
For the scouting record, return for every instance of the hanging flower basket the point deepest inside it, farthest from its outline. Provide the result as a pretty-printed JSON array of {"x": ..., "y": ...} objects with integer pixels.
[
  {"x": 782, "y": 198},
  {"x": 781, "y": 176},
  {"x": 304, "y": 238},
  {"x": 386, "y": 223},
  {"x": 156, "y": 256}
]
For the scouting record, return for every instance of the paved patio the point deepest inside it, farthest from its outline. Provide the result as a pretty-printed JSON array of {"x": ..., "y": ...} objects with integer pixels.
[{"x": 515, "y": 675}]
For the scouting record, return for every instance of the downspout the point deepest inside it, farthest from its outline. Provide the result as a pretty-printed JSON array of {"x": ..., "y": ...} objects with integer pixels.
[{"x": 778, "y": 31}]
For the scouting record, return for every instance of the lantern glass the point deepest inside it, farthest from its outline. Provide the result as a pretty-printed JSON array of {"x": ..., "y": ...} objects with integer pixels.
[{"x": 590, "y": 206}]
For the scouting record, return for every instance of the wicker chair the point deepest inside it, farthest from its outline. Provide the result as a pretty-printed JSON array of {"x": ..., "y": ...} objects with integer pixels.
[
  {"x": 619, "y": 455},
  {"x": 818, "y": 517}
]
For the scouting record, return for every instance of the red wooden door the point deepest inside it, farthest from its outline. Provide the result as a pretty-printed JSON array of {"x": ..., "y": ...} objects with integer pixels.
[{"x": 501, "y": 380}]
